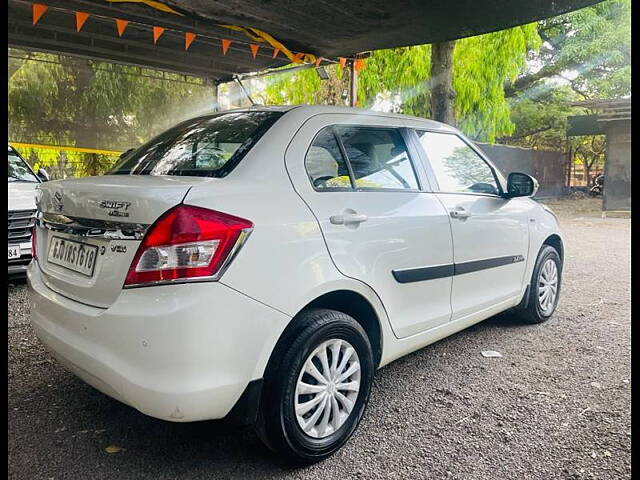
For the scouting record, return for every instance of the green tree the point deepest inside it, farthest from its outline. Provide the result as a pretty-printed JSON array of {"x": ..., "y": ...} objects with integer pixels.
[
  {"x": 304, "y": 86},
  {"x": 481, "y": 65},
  {"x": 77, "y": 102},
  {"x": 585, "y": 55},
  {"x": 590, "y": 49}
]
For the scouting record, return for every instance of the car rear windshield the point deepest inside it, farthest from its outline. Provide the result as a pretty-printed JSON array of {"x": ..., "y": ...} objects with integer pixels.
[{"x": 208, "y": 146}]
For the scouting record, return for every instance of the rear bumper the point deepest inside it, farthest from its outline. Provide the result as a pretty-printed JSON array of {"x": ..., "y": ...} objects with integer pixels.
[{"x": 177, "y": 352}]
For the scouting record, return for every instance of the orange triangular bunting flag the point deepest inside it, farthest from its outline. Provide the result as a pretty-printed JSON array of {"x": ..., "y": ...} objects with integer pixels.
[
  {"x": 157, "y": 31},
  {"x": 359, "y": 65},
  {"x": 81, "y": 17},
  {"x": 298, "y": 57},
  {"x": 343, "y": 61},
  {"x": 188, "y": 39},
  {"x": 121, "y": 25},
  {"x": 254, "y": 49},
  {"x": 318, "y": 60},
  {"x": 38, "y": 11},
  {"x": 276, "y": 51},
  {"x": 225, "y": 45}
]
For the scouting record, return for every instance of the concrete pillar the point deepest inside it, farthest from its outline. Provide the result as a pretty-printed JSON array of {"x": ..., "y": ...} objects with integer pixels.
[{"x": 617, "y": 167}]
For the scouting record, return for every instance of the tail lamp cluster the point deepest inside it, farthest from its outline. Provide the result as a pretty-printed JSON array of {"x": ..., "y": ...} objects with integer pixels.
[{"x": 187, "y": 242}]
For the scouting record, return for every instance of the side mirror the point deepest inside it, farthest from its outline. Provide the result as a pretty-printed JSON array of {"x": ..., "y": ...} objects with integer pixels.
[
  {"x": 521, "y": 185},
  {"x": 43, "y": 175}
]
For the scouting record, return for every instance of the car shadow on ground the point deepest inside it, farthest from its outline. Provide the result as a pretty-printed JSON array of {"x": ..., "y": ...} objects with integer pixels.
[{"x": 93, "y": 422}]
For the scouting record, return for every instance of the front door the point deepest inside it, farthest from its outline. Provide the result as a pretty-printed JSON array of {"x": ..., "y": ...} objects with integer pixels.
[
  {"x": 379, "y": 224},
  {"x": 490, "y": 233}
]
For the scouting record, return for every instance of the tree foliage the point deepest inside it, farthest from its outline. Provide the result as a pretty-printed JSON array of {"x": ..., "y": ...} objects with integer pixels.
[
  {"x": 585, "y": 55},
  {"x": 590, "y": 49},
  {"x": 514, "y": 86},
  {"x": 71, "y": 101},
  {"x": 401, "y": 76}
]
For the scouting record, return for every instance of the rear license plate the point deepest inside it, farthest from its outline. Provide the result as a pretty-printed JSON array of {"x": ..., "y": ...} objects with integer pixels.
[
  {"x": 14, "y": 252},
  {"x": 76, "y": 256}
]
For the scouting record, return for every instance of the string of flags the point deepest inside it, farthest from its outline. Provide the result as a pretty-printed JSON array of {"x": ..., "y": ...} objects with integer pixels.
[{"x": 39, "y": 9}]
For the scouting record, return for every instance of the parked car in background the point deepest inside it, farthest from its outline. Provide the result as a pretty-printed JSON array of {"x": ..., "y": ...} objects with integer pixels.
[
  {"x": 261, "y": 264},
  {"x": 22, "y": 209}
]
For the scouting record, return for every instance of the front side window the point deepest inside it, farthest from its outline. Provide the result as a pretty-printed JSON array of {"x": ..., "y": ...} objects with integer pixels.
[
  {"x": 458, "y": 169},
  {"x": 204, "y": 147},
  {"x": 19, "y": 171}
]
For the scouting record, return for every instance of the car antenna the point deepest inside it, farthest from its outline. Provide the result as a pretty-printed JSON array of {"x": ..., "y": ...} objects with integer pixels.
[{"x": 246, "y": 92}]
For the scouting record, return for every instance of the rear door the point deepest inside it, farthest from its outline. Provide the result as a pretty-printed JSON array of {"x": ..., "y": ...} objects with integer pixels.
[
  {"x": 381, "y": 226},
  {"x": 490, "y": 233}
]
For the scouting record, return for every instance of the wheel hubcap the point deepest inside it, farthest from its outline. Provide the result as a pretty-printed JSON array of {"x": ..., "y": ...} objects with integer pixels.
[
  {"x": 327, "y": 388},
  {"x": 548, "y": 286}
]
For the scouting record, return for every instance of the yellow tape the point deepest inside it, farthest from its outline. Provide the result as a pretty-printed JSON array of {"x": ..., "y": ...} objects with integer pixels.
[
  {"x": 151, "y": 3},
  {"x": 306, "y": 58},
  {"x": 64, "y": 148},
  {"x": 246, "y": 31},
  {"x": 260, "y": 36}
]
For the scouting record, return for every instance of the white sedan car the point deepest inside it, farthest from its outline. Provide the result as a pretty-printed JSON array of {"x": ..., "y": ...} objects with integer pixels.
[{"x": 261, "y": 264}]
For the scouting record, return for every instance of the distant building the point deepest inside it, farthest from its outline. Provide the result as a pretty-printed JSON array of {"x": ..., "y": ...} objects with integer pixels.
[{"x": 613, "y": 120}]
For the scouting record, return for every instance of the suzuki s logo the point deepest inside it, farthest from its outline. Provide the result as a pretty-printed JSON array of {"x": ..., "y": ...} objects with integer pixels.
[{"x": 57, "y": 201}]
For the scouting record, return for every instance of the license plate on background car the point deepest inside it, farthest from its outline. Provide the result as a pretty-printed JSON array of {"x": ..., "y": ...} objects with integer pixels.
[
  {"x": 77, "y": 256},
  {"x": 14, "y": 251}
]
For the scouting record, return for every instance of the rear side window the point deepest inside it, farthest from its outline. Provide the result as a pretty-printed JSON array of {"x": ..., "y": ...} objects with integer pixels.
[
  {"x": 360, "y": 157},
  {"x": 326, "y": 166},
  {"x": 457, "y": 167},
  {"x": 204, "y": 147}
]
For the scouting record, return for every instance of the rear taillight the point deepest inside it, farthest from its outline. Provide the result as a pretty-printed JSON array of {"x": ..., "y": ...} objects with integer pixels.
[
  {"x": 33, "y": 241},
  {"x": 187, "y": 242}
]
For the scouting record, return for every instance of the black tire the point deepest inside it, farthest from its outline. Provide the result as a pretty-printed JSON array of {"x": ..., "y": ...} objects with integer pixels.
[
  {"x": 277, "y": 425},
  {"x": 533, "y": 312}
]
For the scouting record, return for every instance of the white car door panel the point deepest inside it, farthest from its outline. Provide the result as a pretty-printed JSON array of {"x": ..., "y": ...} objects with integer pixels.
[
  {"x": 490, "y": 248},
  {"x": 490, "y": 233},
  {"x": 385, "y": 238}
]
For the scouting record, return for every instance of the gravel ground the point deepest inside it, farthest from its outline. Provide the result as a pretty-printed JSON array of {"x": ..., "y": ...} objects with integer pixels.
[{"x": 556, "y": 405}]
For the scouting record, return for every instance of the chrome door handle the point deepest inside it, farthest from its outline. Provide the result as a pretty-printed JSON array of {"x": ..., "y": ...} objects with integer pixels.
[
  {"x": 459, "y": 213},
  {"x": 348, "y": 219}
]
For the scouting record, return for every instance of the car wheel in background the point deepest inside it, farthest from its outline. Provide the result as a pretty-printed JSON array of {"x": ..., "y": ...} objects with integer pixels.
[{"x": 544, "y": 289}]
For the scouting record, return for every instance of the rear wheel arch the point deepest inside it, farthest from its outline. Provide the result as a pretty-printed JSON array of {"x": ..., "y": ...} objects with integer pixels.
[{"x": 346, "y": 301}]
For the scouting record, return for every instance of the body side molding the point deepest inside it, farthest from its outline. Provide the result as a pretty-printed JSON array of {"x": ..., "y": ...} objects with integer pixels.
[{"x": 418, "y": 274}]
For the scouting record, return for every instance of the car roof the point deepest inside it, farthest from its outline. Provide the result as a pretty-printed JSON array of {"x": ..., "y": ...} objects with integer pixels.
[{"x": 311, "y": 110}]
